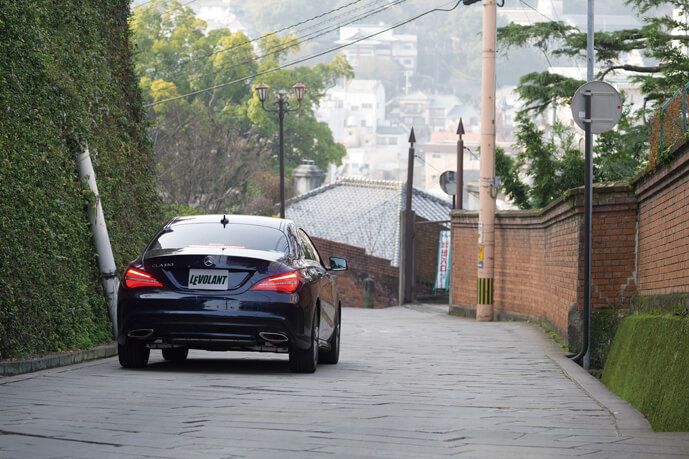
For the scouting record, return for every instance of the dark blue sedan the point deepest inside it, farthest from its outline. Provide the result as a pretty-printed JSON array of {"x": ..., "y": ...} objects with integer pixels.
[{"x": 230, "y": 283}]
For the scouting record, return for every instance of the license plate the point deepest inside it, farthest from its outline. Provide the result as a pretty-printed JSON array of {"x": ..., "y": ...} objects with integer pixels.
[{"x": 208, "y": 279}]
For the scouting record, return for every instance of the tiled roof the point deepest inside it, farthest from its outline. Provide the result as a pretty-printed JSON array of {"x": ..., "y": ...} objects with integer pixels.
[{"x": 363, "y": 213}]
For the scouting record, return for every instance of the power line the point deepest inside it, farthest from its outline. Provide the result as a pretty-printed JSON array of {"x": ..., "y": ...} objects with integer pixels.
[
  {"x": 297, "y": 41},
  {"x": 549, "y": 20},
  {"x": 247, "y": 42},
  {"x": 299, "y": 61},
  {"x": 550, "y": 66}
]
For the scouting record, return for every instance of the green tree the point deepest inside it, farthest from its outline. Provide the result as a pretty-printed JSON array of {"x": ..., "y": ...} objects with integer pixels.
[
  {"x": 661, "y": 38},
  {"x": 215, "y": 149},
  {"x": 621, "y": 152},
  {"x": 552, "y": 165}
]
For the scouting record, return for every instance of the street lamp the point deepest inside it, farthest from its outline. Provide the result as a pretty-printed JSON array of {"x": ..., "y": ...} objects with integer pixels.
[{"x": 282, "y": 105}]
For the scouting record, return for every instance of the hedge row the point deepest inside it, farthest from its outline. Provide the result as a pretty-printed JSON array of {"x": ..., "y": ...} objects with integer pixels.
[{"x": 66, "y": 80}]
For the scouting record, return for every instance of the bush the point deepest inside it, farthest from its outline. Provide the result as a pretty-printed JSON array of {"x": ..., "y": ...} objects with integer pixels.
[{"x": 67, "y": 81}]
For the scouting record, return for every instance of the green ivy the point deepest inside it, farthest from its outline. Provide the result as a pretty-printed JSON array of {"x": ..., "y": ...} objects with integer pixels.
[{"x": 66, "y": 80}]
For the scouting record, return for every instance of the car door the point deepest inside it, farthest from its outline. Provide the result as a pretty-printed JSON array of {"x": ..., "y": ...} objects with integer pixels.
[{"x": 325, "y": 286}]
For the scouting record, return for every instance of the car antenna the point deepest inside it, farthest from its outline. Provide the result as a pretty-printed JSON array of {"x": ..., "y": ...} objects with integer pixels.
[{"x": 224, "y": 221}]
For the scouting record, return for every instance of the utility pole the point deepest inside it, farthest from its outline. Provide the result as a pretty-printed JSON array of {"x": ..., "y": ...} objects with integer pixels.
[{"x": 486, "y": 215}]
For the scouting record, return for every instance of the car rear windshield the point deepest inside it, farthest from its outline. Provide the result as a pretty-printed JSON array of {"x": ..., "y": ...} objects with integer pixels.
[{"x": 235, "y": 236}]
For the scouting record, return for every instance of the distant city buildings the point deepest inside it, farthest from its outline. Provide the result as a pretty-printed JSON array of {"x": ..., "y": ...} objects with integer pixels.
[
  {"x": 385, "y": 47},
  {"x": 373, "y": 117}
]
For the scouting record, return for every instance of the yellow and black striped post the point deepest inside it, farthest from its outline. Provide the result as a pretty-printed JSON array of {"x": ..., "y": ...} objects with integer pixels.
[{"x": 485, "y": 291}]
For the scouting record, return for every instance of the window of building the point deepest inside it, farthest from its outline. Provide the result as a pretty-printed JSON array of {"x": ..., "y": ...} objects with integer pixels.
[
  {"x": 366, "y": 106},
  {"x": 382, "y": 140},
  {"x": 363, "y": 123},
  {"x": 392, "y": 141},
  {"x": 435, "y": 155}
]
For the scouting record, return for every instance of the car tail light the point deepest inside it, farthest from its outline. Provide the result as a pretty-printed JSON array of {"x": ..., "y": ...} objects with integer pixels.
[
  {"x": 134, "y": 278},
  {"x": 285, "y": 283}
]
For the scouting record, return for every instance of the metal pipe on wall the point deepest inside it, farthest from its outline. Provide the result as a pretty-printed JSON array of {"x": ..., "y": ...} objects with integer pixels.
[{"x": 106, "y": 260}]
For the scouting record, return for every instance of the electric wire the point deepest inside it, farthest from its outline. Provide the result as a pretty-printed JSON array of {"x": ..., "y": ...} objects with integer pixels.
[
  {"x": 293, "y": 26},
  {"x": 304, "y": 59},
  {"x": 277, "y": 49},
  {"x": 550, "y": 66}
]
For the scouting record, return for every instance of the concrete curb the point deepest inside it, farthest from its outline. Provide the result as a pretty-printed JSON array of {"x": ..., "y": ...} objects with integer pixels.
[
  {"x": 12, "y": 368},
  {"x": 627, "y": 418}
]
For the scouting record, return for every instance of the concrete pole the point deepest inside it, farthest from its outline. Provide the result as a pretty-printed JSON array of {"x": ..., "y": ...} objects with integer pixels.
[
  {"x": 106, "y": 260},
  {"x": 486, "y": 215}
]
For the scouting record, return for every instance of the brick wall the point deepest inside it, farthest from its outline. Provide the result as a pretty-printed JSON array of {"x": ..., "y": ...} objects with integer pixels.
[
  {"x": 663, "y": 252},
  {"x": 538, "y": 266},
  {"x": 350, "y": 283},
  {"x": 427, "y": 237},
  {"x": 640, "y": 248}
]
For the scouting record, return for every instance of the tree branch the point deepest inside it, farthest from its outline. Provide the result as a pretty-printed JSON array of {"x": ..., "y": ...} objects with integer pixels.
[{"x": 633, "y": 68}]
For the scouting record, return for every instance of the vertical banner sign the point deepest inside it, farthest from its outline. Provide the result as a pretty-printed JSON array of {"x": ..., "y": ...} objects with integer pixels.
[{"x": 442, "y": 278}]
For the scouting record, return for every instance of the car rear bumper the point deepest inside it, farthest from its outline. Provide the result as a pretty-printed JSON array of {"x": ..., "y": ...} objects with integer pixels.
[{"x": 168, "y": 319}]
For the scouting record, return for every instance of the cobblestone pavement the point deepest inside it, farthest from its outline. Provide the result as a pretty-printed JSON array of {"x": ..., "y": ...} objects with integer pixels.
[{"x": 411, "y": 383}]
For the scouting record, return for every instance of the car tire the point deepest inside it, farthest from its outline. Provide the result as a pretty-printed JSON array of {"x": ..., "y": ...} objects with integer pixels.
[
  {"x": 305, "y": 361},
  {"x": 332, "y": 355},
  {"x": 133, "y": 355},
  {"x": 177, "y": 354}
]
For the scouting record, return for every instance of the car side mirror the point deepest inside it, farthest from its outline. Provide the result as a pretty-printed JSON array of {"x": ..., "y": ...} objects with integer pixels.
[{"x": 338, "y": 264}]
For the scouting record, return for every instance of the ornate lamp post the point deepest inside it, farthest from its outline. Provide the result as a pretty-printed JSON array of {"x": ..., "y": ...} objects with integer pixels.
[{"x": 282, "y": 104}]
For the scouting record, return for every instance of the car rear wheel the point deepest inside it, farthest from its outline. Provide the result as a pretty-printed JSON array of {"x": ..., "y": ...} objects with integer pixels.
[
  {"x": 305, "y": 361},
  {"x": 133, "y": 355},
  {"x": 332, "y": 355},
  {"x": 177, "y": 354}
]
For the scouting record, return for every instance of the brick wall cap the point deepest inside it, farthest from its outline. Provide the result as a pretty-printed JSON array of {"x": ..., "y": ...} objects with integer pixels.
[{"x": 463, "y": 213}]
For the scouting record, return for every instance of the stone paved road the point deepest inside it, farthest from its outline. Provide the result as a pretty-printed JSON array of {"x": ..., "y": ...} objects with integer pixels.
[{"x": 412, "y": 383}]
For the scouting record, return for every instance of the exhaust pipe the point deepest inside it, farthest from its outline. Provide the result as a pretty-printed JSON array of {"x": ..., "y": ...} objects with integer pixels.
[
  {"x": 274, "y": 337},
  {"x": 140, "y": 333}
]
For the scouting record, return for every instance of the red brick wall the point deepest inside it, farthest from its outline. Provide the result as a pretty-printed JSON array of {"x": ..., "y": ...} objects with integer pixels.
[
  {"x": 350, "y": 283},
  {"x": 663, "y": 252},
  {"x": 538, "y": 267},
  {"x": 427, "y": 237}
]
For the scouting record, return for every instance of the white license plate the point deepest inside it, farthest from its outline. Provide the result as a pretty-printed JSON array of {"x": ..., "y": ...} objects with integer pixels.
[{"x": 208, "y": 279}]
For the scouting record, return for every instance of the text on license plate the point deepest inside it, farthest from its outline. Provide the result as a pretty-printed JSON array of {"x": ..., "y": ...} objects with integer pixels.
[{"x": 208, "y": 279}]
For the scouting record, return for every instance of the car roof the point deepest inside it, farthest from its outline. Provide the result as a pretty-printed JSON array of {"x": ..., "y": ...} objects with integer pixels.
[{"x": 272, "y": 222}]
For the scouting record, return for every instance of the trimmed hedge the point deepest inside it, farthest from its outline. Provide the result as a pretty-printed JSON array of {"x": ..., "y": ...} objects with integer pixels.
[
  {"x": 648, "y": 366},
  {"x": 66, "y": 80}
]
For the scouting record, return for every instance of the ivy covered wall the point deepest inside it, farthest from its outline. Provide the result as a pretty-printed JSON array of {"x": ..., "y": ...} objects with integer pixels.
[{"x": 66, "y": 80}]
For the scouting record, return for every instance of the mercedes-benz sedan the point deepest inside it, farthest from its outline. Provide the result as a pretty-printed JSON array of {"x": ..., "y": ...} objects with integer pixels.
[{"x": 230, "y": 283}]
